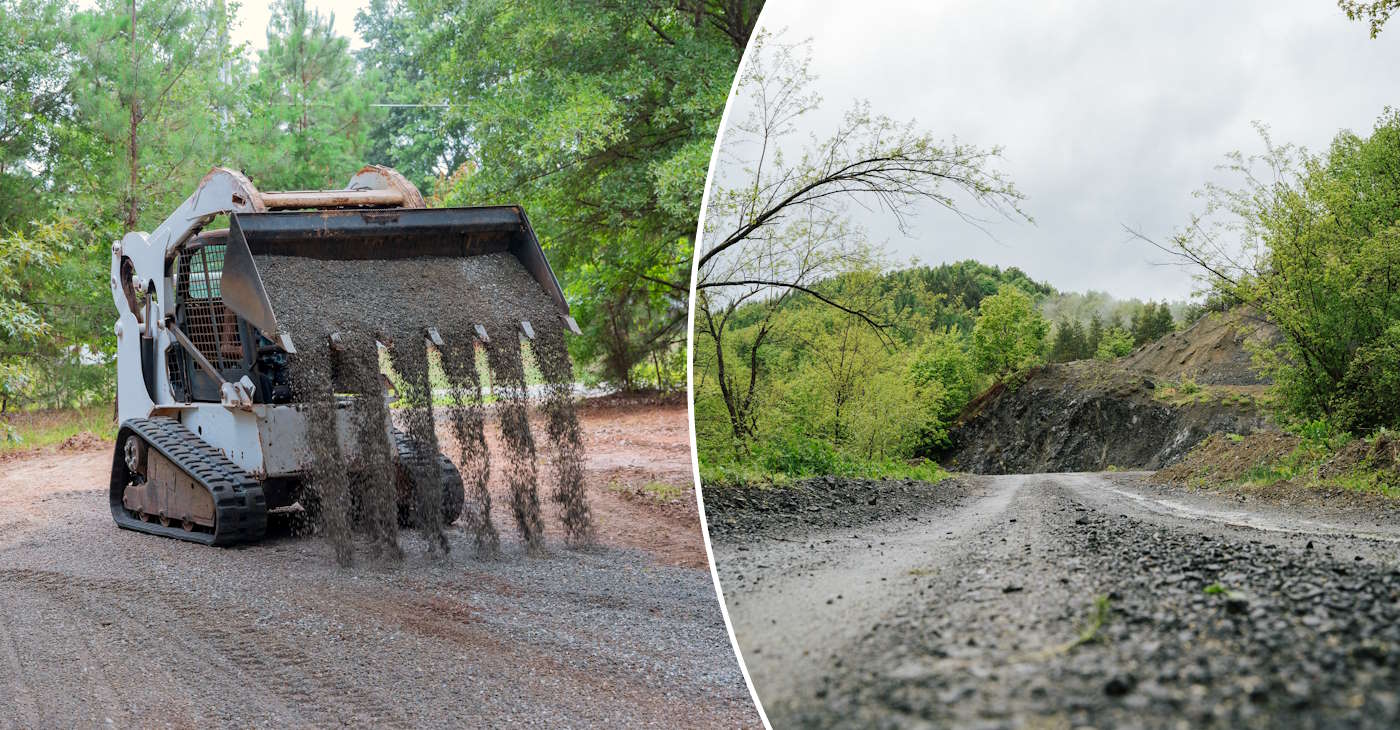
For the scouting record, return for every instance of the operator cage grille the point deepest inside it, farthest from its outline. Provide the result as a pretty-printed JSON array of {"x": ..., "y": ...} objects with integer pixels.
[{"x": 208, "y": 323}]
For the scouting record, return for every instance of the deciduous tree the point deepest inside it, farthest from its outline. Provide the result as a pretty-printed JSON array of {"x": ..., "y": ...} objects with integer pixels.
[
  {"x": 1312, "y": 243},
  {"x": 774, "y": 225},
  {"x": 1009, "y": 334},
  {"x": 600, "y": 119},
  {"x": 1374, "y": 12}
]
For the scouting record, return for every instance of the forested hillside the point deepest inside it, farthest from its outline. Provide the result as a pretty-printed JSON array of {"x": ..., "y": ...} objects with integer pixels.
[
  {"x": 598, "y": 118},
  {"x": 836, "y": 393}
]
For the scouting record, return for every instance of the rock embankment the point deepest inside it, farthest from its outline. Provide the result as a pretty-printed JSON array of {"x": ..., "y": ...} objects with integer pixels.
[{"x": 1142, "y": 411}]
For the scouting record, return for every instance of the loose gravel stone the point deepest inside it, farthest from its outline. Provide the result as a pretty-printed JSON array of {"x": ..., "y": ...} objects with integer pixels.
[{"x": 1089, "y": 609}]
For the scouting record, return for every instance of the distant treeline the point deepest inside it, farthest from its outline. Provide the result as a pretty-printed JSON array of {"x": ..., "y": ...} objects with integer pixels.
[{"x": 1082, "y": 323}]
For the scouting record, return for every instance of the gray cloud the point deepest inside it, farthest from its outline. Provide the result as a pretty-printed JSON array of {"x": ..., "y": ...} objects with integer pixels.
[{"x": 1109, "y": 113}]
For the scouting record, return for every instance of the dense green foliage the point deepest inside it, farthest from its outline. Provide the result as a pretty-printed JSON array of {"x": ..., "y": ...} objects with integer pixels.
[
  {"x": 47, "y": 302},
  {"x": 1093, "y": 324},
  {"x": 597, "y": 117},
  {"x": 1320, "y": 251},
  {"x": 307, "y": 116},
  {"x": 1009, "y": 334},
  {"x": 834, "y": 395},
  {"x": 33, "y": 103},
  {"x": 147, "y": 104},
  {"x": 1115, "y": 342},
  {"x": 600, "y": 119}
]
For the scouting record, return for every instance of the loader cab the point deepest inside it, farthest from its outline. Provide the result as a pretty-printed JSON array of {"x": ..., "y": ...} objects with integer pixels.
[{"x": 233, "y": 346}]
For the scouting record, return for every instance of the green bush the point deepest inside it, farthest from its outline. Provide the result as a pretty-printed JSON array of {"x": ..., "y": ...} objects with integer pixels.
[
  {"x": 1115, "y": 342},
  {"x": 1319, "y": 247},
  {"x": 796, "y": 455}
]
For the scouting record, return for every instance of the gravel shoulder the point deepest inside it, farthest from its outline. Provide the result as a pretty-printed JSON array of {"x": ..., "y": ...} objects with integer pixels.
[
  {"x": 745, "y": 512},
  {"x": 1067, "y": 600},
  {"x": 103, "y": 627}
]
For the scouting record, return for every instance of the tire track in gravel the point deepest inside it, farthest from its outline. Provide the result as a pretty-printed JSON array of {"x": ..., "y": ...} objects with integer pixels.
[
  {"x": 17, "y": 706},
  {"x": 1184, "y": 508},
  {"x": 604, "y": 636},
  {"x": 818, "y": 592},
  {"x": 208, "y": 634}
]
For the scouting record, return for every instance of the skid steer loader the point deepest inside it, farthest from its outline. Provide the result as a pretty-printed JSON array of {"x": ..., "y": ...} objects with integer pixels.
[{"x": 212, "y": 436}]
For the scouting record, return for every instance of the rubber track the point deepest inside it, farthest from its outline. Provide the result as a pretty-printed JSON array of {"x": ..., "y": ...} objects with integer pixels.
[
  {"x": 240, "y": 510},
  {"x": 454, "y": 495}
]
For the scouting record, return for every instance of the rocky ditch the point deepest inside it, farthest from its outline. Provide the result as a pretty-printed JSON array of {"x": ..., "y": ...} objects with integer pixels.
[
  {"x": 737, "y": 512},
  {"x": 339, "y": 313}
]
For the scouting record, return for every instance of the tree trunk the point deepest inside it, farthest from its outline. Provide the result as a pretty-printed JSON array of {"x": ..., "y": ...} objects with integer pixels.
[{"x": 133, "y": 122}]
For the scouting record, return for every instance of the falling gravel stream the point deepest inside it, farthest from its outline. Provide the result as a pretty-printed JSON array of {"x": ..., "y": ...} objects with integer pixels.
[{"x": 339, "y": 311}]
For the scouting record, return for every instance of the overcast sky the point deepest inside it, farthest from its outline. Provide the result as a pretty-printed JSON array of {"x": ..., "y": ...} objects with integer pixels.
[
  {"x": 251, "y": 21},
  {"x": 1110, "y": 113}
]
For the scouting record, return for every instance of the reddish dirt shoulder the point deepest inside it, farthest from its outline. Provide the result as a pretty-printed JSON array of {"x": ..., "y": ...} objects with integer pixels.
[{"x": 630, "y": 445}]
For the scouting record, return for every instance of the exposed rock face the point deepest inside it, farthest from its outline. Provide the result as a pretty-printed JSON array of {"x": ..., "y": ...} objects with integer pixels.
[
  {"x": 1086, "y": 416},
  {"x": 1090, "y": 415}
]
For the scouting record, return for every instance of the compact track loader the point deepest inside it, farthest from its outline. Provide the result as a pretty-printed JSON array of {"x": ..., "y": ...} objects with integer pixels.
[{"x": 212, "y": 436}]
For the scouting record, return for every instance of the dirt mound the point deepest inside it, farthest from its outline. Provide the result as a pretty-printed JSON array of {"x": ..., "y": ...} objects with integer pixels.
[
  {"x": 1089, "y": 416},
  {"x": 1213, "y": 351},
  {"x": 1221, "y": 457},
  {"x": 1381, "y": 454},
  {"x": 84, "y": 441}
]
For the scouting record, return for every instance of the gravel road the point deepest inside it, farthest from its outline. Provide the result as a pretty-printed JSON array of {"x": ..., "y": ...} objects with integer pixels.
[
  {"x": 101, "y": 627},
  {"x": 1071, "y": 600}
]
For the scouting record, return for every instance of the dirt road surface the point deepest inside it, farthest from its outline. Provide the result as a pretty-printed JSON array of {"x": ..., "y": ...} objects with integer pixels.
[
  {"x": 107, "y": 628},
  {"x": 1070, "y": 600}
]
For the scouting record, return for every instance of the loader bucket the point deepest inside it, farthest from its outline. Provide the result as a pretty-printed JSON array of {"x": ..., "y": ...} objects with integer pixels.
[{"x": 360, "y": 234}]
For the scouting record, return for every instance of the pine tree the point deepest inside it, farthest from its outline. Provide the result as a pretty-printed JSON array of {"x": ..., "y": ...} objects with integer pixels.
[
  {"x": 1095, "y": 336},
  {"x": 1070, "y": 342},
  {"x": 146, "y": 89},
  {"x": 1163, "y": 322},
  {"x": 309, "y": 113}
]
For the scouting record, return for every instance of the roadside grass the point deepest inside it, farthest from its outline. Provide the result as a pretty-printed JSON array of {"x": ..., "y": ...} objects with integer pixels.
[
  {"x": 1312, "y": 465},
  {"x": 1187, "y": 391},
  {"x": 1098, "y": 618},
  {"x": 40, "y": 429},
  {"x": 1322, "y": 459}
]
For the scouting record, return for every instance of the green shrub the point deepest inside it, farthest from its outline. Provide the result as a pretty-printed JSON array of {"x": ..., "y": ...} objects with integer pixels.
[{"x": 796, "y": 455}]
